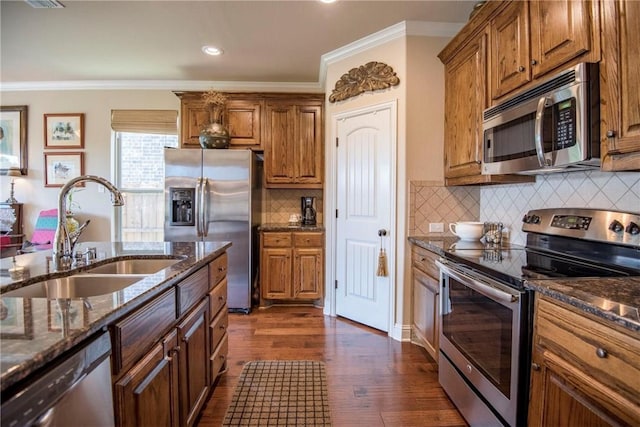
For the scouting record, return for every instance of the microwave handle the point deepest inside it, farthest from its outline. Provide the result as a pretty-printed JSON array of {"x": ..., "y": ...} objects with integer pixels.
[{"x": 538, "y": 131}]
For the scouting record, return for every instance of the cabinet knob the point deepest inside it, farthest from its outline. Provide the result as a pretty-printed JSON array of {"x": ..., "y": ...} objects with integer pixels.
[
  {"x": 534, "y": 62},
  {"x": 221, "y": 298},
  {"x": 601, "y": 352},
  {"x": 220, "y": 269},
  {"x": 422, "y": 259},
  {"x": 611, "y": 133},
  {"x": 535, "y": 366},
  {"x": 521, "y": 69}
]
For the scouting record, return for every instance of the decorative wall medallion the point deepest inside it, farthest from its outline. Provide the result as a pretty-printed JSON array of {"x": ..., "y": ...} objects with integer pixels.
[{"x": 369, "y": 77}]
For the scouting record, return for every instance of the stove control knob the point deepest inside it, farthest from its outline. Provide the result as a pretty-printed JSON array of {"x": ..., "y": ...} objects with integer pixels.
[
  {"x": 526, "y": 218},
  {"x": 535, "y": 219},
  {"x": 616, "y": 226},
  {"x": 632, "y": 228}
]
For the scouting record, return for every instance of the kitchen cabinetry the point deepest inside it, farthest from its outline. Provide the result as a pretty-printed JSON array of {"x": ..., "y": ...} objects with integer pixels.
[
  {"x": 293, "y": 151},
  {"x": 11, "y": 238},
  {"x": 162, "y": 352},
  {"x": 620, "y": 86},
  {"x": 465, "y": 99},
  {"x": 585, "y": 371},
  {"x": 426, "y": 289},
  {"x": 291, "y": 266},
  {"x": 530, "y": 39},
  {"x": 242, "y": 115}
]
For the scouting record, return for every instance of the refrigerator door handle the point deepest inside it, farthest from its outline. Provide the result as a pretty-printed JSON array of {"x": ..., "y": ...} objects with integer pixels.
[
  {"x": 205, "y": 207},
  {"x": 198, "y": 207}
]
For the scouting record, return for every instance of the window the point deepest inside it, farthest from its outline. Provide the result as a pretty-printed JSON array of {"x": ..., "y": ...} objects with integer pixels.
[{"x": 139, "y": 140}]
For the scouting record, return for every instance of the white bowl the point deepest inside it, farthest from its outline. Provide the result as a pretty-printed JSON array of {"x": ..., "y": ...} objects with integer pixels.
[{"x": 467, "y": 230}]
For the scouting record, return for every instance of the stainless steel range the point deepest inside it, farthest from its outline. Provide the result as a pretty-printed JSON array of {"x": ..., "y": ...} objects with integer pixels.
[{"x": 486, "y": 308}]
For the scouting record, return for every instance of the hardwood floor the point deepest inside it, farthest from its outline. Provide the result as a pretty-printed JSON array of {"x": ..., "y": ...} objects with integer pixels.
[{"x": 373, "y": 380}]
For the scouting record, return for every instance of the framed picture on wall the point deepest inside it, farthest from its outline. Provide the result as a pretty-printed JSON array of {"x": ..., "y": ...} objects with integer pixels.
[
  {"x": 64, "y": 130},
  {"x": 13, "y": 138},
  {"x": 60, "y": 167}
]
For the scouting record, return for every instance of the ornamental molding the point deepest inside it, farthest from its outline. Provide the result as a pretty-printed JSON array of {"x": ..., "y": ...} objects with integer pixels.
[{"x": 366, "y": 78}]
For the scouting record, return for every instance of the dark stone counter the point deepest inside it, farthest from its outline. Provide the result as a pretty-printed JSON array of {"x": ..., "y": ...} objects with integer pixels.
[
  {"x": 285, "y": 226},
  {"x": 30, "y": 330},
  {"x": 613, "y": 299}
]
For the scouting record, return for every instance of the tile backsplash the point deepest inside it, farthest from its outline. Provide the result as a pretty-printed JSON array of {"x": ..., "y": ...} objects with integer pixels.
[
  {"x": 431, "y": 201},
  {"x": 279, "y": 204},
  {"x": 591, "y": 189}
]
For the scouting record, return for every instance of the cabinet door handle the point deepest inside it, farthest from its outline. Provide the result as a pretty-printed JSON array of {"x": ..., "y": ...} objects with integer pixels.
[
  {"x": 534, "y": 62},
  {"x": 611, "y": 133},
  {"x": 521, "y": 69},
  {"x": 422, "y": 259},
  {"x": 535, "y": 366},
  {"x": 601, "y": 353},
  {"x": 220, "y": 269},
  {"x": 220, "y": 298}
]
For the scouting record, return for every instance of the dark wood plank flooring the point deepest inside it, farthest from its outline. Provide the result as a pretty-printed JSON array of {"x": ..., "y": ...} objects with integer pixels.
[{"x": 373, "y": 380}]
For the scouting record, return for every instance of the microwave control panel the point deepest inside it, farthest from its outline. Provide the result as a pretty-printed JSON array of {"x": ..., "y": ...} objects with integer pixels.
[{"x": 565, "y": 124}]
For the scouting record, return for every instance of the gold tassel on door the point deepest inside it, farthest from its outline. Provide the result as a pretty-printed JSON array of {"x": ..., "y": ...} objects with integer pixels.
[
  {"x": 382, "y": 257},
  {"x": 382, "y": 264}
]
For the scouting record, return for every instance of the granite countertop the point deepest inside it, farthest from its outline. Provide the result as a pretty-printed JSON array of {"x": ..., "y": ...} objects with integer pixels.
[
  {"x": 30, "y": 332},
  {"x": 285, "y": 226},
  {"x": 612, "y": 299}
]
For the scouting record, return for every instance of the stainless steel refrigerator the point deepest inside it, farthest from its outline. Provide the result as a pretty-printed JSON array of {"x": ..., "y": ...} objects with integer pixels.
[{"x": 215, "y": 195}]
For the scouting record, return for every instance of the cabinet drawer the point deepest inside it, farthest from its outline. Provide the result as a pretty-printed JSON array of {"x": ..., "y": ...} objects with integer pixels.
[
  {"x": 218, "y": 298},
  {"x": 302, "y": 240},
  {"x": 276, "y": 240},
  {"x": 426, "y": 261},
  {"x": 219, "y": 358},
  {"x": 192, "y": 289},
  {"x": 217, "y": 269},
  {"x": 133, "y": 335},
  {"x": 609, "y": 355},
  {"x": 218, "y": 328}
]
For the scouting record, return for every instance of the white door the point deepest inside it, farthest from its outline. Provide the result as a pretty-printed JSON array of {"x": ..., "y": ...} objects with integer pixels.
[{"x": 365, "y": 201}]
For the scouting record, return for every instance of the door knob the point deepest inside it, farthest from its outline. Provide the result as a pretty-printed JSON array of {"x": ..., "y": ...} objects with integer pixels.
[{"x": 382, "y": 232}]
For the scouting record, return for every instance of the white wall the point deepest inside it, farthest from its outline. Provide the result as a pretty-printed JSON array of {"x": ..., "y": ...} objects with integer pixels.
[
  {"x": 96, "y": 106},
  {"x": 420, "y": 121}
]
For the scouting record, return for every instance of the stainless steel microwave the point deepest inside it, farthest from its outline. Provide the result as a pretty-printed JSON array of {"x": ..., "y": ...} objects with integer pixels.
[{"x": 554, "y": 126}]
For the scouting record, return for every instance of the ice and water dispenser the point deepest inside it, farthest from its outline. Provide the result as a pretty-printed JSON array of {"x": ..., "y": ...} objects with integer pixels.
[{"x": 182, "y": 206}]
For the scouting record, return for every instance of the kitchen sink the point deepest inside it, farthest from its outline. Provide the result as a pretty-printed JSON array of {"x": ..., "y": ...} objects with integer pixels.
[
  {"x": 134, "y": 266},
  {"x": 76, "y": 286}
]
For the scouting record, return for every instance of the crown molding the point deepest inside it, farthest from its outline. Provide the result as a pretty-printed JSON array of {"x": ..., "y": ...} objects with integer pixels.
[
  {"x": 401, "y": 29},
  {"x": 172, "y": 85}
]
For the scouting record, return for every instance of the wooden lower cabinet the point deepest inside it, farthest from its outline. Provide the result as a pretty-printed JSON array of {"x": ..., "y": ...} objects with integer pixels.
[
  {"x": 165, "y": 381},
  {"x": 426, "y": 291},
  {"x": 194, "y": 362},
  {"x": 147, "y": 394},
  {"x": 585, "y": 372},
  {"x": 291, "y": 266}
]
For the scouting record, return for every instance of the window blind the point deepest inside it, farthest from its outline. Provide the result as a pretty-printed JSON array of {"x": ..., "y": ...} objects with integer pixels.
[{"x": 145, "y": 121}]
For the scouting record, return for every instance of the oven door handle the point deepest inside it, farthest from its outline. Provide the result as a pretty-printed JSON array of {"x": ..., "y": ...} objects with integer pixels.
[{"x": 478, "y": 286}]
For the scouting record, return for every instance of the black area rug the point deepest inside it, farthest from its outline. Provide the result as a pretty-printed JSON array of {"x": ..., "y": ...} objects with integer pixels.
[{"x": 280, "y": 393}]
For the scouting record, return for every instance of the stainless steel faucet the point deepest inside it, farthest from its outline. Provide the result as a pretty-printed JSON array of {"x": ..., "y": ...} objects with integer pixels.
[{"x": 64, "y": 242}]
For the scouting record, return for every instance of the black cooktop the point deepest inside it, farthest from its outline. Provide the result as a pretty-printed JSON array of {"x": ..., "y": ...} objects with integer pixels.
[{"x": 546, "y": 257}]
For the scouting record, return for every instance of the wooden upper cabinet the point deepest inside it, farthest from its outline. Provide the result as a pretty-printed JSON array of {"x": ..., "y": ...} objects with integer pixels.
[
  {"x": 620, "y": 86},
  {"x": 562, "y": 30},
  {"x": 293, "y": 146},
  {"x": 529, "y": 39},
  {"x": 243, "y": 119},
  {"x": 510, "y": 49},
  {"x": 465, "y": 89},
  {"x": 242, "y": 116},
  {"x": 193, "y": 116}
]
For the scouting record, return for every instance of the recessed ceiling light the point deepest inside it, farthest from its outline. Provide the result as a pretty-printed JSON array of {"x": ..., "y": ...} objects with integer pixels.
[
  {"x": 212, "y": 50},
  {"x": 328, "y": 1}
]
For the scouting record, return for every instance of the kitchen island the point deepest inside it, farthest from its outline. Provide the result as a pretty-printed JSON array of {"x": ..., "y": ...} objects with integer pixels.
[{"x": 35, "y": 335}]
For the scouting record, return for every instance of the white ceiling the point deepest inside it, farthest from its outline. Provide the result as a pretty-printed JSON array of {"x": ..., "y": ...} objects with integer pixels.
[{"x": 264, "y": 41}]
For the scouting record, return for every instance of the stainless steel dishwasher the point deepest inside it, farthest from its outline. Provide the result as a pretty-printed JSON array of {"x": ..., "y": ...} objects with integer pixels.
[{"x": 74, "y": 391}]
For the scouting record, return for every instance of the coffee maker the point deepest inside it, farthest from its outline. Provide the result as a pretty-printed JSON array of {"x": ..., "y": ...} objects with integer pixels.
[{"x": 308, "y": 210}]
